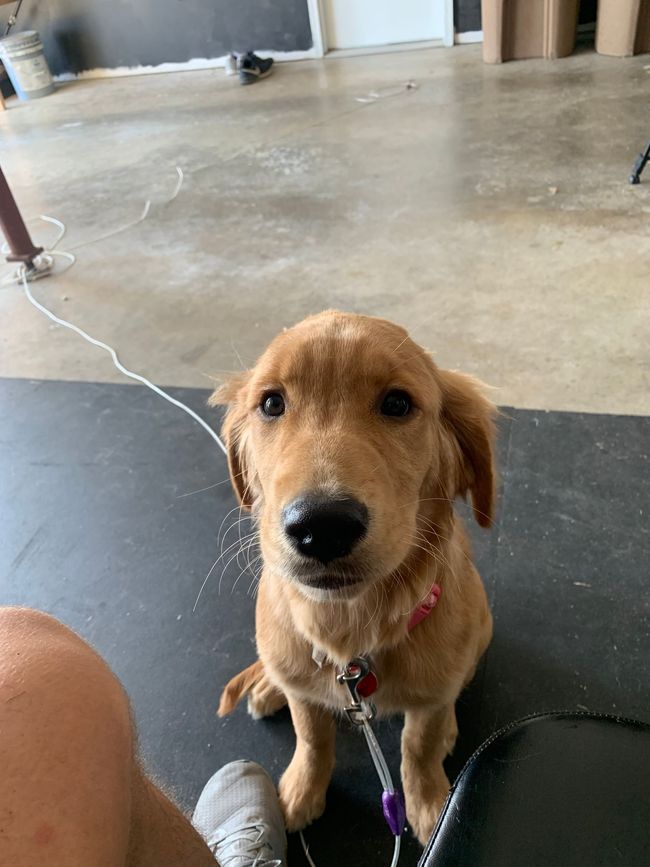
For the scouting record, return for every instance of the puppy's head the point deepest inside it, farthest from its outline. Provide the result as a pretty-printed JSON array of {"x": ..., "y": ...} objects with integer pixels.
[{"x": 339, "y": 438}]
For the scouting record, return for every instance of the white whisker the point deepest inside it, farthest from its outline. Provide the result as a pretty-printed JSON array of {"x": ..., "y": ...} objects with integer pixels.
[
  {"x": 201, "y": 490},
  {"x": 205, "y": 581}
]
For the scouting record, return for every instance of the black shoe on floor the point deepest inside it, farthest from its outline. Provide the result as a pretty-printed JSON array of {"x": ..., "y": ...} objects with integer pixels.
[{"x": 252, "y": 68}]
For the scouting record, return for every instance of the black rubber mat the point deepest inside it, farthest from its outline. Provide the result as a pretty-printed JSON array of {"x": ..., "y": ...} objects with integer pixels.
[{"x": 106, "y": 524}]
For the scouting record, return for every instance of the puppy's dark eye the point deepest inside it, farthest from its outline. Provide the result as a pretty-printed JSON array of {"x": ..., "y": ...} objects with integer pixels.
[
  {"x": 396, "y": 403},
  {"x": 272, "y": 404}
]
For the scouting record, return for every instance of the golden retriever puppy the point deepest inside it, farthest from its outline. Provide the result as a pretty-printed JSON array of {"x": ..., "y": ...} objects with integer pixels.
[{"x": 350, "y": 446}]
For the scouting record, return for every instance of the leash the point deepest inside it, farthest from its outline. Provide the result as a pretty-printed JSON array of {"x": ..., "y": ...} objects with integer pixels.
[{"x": 361, "y": 682}]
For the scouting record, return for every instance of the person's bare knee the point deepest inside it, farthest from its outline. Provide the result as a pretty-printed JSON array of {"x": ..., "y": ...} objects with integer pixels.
[
  {"x": 66, "y": 749},
  {"x": 72, "y": 788},
  {"x": 55, "y": 681}
]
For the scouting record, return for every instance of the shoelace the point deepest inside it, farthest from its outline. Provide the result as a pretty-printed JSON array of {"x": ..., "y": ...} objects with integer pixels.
[{"x": 247, "y": 842}]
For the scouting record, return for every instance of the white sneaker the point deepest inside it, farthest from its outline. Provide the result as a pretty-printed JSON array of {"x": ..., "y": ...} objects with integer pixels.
[{"x": 238, "y": 815}]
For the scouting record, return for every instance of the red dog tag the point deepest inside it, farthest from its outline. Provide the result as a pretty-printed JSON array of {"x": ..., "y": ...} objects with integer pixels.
[{"x": 368, "y": 685}]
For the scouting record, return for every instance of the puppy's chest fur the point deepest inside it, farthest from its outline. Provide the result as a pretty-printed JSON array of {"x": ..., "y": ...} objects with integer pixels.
[{"x": 412, "y": 668}]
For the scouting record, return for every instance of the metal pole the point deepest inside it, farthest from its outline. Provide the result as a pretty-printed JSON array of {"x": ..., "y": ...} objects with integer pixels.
[
  {"x": 12, "y": 17},
  {"x": 13, "y": 228}
]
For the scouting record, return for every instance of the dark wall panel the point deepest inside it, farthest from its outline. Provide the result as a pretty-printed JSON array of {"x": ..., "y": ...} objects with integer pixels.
[
  {"x": 467, "y": 15},
  {"x": 588, "y": 11},
  {"x": 86, "y": 34}
]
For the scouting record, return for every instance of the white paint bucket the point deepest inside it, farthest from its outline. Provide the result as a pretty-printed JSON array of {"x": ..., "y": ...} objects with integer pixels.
[{"x": 22, "y": 56}]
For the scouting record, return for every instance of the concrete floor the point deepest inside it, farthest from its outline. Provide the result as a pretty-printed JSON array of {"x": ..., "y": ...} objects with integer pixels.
[{"x": 487, "y": 210}]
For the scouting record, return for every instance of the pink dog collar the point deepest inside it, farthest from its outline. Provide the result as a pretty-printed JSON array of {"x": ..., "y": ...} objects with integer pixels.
[{"x": 425, "y": 607}]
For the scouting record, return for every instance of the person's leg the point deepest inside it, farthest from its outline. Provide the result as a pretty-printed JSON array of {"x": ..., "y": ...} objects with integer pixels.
[{"x": 72, "y": 793}]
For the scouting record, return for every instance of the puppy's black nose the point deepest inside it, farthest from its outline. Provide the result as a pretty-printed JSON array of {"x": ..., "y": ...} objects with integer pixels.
[{"x": 325, "y": 529}]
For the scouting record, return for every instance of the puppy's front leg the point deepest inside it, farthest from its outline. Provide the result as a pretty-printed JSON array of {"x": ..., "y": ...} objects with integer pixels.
[
  {"x": 304, "y": 784},
  {"x": 428, "y": 736}
]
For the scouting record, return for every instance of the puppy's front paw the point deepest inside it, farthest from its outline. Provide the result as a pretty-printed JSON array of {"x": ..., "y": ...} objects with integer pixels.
[
  {"x": 302, "y": 798},
  {"x": 422, "y": 812}
]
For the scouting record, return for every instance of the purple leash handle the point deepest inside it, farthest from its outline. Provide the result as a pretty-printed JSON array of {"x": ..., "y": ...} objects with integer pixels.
[{"x": 392, "y": 804}]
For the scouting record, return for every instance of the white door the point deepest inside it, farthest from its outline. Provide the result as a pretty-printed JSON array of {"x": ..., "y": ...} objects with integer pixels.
[{"x": 367, "y": 23}]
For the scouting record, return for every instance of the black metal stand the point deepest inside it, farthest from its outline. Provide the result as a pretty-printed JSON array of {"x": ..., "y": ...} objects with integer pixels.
[
  {"x": 639, "y": 165},
  {"x": 21, "y": 246}
]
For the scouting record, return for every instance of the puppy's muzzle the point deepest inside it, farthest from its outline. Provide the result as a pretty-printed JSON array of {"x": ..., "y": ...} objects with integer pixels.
[{"x": 325, "y": 529}]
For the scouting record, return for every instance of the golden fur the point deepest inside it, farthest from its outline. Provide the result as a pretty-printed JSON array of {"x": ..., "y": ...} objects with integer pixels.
[{"x": 333, "y": 370}]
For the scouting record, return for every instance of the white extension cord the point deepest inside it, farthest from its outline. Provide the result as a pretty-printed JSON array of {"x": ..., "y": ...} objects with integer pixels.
[
  {"x": 116, "y": 361},
  {"x": 43, "y": 266}
]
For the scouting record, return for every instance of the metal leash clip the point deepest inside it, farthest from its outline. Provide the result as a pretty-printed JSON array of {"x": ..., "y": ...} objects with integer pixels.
[{"x": 352, "y": 675}]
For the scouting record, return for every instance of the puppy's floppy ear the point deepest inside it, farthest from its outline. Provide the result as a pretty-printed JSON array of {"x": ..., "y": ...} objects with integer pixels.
[
  {"x": 468, "y": 417},
  {"x": 233, "y": 432}
]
